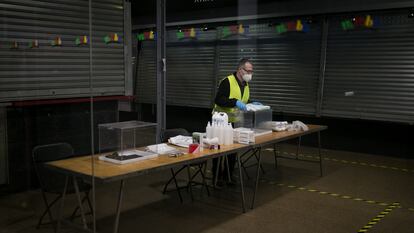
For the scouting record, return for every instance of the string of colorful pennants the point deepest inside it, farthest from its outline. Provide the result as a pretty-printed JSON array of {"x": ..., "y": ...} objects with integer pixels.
[
  {"x": 225, "y": 31},
  {"x": 292, "y": 26},
  {"x": 186, "y": 33},
  {"x": 360, "y": 22},
  {"x": 147, "y": 35},
  {"x": 57, "y": 41}
]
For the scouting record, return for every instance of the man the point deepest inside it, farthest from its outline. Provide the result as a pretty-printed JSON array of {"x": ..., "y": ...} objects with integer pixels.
[{"x": 233, "y": 94}]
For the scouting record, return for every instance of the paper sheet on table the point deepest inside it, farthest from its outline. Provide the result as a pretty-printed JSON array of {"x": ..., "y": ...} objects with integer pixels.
[
  {"x": 162, "y": 149},
  {"x": 183, "y": 141},
  {"x": 136, "y": 152}
]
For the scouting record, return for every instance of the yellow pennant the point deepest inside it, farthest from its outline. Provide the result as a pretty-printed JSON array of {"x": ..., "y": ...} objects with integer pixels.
[
  {"x": 241, "y": 29},
  {"x": 299, "y": 25},
  {"x": 192, "y": 33},
  {"x": 368, "y": 21}
]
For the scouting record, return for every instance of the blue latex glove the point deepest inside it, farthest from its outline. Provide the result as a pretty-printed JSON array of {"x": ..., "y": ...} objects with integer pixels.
[
  {"x": 241, "y": 105},
  {"x": 256, "y": 103}
]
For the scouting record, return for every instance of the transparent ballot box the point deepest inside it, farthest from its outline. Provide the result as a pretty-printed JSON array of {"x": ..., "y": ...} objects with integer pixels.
[
  {"x": 254, "y": 122},
  {"x": 123, "y": 136},
  {"x": 254, "y": 119}
]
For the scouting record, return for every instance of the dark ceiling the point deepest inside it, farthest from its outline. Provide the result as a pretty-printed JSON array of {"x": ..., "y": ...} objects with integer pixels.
[
  {"x": 144, "y": 11},
  {"x": 148, "y": 7}
]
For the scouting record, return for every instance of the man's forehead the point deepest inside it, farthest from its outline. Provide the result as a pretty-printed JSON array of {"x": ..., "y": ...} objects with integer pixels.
[{"x": 248, "y": 65}]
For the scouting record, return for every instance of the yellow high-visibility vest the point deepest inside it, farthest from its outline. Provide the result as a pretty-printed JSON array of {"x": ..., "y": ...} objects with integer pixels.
[{"x": 235, "y": 93}]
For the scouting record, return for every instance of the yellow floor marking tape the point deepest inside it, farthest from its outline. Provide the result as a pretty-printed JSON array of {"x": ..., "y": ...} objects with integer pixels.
[
  {"x": 348, "y": 197},
  {"x": 379, "y": 217},
  {"x": 347, "y": 161},
  {"x": 325, "y": 193}
]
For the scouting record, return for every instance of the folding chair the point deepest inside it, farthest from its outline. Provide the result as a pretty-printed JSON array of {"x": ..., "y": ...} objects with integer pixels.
[
  {"x": 53, "y": 182},
  {"x": 200, "y": 167}
]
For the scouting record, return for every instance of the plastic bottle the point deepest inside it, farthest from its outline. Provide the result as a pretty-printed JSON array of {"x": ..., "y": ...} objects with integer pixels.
[
  {"x": 209, "y": 130},
  {"x": 202, "y": 142},
  {"x": 214, "y": 119},
  {"x": 226, "y": 135},
  {"x": 221, "y": 134},
  {"x": 231, "y": 133},
  {"x": 214, "y": 130}
]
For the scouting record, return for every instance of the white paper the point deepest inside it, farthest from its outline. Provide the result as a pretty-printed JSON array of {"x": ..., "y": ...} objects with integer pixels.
[{"x": 162, "y": 149}]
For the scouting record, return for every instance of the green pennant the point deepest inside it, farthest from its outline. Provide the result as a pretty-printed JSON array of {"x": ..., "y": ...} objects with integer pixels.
[
  {"x": 180, "y": 35},
  {"x": 347, "y": 25},
  {"x": 107, "y": 39},
  {"x": 140, "y": 36},
  {"x": 226, "y": 32},
  {"x": 281, "y": 28}
]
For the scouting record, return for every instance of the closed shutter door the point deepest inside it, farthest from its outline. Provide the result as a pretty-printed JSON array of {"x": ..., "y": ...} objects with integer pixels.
[
  {"x": 146, "y": 84},
  {"x": 190, "y": 75},
  {"x": 57, "y": 72},
  {"x": 286, "y": 66},
  {"x": 370, "y": 72},
  {"x": 190, "y": 70}
]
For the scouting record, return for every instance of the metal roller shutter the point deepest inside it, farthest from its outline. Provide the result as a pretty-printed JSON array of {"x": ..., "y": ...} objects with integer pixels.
[
  {"x": 57, "y": 72},
  {"x": 190, "y": 75},
  {"x": 286, "y": 66},
  {"x": 190, "y": 70},
  {"x": 377, "y": 65},
  {"x": 146, "y": 84}
]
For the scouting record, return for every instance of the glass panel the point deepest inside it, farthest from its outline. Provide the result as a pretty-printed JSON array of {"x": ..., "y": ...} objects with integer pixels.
[{"x": 45, "y": 111}]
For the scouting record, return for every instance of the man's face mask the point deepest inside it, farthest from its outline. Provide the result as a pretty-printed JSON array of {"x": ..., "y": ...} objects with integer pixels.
[{"x": 247, "y": 77}]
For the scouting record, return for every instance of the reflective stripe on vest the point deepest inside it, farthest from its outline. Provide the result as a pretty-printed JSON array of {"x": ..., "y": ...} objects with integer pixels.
[{"x": 235, "y": 93}]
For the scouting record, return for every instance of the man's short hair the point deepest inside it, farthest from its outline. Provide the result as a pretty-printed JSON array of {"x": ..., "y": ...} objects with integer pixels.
[{"x": 243, "y": 61}]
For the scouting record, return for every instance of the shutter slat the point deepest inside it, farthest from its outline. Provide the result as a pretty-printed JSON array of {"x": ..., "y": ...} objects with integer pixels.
[
  {"x": 59, "y": 72},
  {"x": 376, "y": 65}
]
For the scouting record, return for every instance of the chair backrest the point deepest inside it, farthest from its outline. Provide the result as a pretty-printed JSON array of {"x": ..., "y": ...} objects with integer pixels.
[
  {"x": 168, "y": 133},
  {"x": 49, "y": 180},
  {"x": 52, "y": 152}
]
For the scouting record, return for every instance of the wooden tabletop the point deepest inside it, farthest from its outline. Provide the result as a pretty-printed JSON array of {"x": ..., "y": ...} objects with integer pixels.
[
  {"x": 275, "y": 137},
  {"x": 106, "y": 171}
]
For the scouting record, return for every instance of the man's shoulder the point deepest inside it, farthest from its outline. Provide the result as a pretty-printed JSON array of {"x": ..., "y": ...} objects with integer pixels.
[
  {"x": 228, "y": 77},
  {"x": 225, "y": 79}
]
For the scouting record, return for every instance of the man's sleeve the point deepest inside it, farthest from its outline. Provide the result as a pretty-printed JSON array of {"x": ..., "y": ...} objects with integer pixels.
[{"x": 222, "y": 96}]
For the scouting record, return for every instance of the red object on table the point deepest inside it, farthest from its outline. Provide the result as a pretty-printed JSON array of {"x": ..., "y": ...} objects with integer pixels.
[{"x": 192, "y": 147}]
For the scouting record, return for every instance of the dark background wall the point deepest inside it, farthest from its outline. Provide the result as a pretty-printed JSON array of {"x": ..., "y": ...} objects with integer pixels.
[{"x": 46, "y": 124}]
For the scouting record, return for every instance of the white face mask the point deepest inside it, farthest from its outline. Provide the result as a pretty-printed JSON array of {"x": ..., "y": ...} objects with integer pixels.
[{"x": 247, "y": 77}]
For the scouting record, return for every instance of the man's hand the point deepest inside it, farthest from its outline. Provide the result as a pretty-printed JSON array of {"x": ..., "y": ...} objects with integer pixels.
[{"x": 241, "y": 105}]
